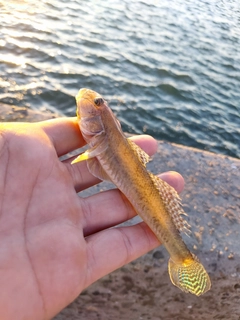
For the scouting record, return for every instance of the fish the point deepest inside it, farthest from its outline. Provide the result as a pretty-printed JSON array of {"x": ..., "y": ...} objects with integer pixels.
[{"x": 113, "y": 157}]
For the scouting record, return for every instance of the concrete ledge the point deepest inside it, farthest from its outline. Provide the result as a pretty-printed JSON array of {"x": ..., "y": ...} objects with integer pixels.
[
  {"x": 10, "y": 113},
  {"x": 142, "y": 289}
]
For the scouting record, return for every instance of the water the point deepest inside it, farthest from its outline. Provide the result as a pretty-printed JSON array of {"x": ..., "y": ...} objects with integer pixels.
[{"x": 168, "y": 68}]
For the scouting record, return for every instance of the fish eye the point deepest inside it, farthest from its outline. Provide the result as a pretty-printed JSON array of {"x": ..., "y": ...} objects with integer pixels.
[{"x": 98, "y": 101}]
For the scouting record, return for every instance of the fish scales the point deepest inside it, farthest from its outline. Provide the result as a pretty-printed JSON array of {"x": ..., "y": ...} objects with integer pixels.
[
  {"x": 144, "y": 196},
  {"x": 113, "y": 157}
]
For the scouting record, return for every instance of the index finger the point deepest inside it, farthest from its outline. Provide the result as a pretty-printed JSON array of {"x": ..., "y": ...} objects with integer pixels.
[{"x": 64, "y": 134}]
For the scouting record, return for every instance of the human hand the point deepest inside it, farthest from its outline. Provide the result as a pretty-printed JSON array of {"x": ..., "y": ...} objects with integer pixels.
[{"x": 53, "y": 243}]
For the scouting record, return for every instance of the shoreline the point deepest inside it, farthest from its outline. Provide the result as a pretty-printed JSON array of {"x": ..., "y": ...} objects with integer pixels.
[{"x": 142, "y": 289}]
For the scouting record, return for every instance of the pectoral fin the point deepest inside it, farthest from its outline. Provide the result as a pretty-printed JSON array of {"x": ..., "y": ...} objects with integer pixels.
[
  {"x": 99, "y": 147},
  {"x": 82, "y": 157}
]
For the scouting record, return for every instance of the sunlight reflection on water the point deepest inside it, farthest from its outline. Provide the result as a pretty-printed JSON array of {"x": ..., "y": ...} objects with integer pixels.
[{"x": 170, "y": 69}]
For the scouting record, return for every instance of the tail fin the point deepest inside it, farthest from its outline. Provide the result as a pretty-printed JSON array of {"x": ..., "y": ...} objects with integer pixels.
[{"x": 190, "y": 277}]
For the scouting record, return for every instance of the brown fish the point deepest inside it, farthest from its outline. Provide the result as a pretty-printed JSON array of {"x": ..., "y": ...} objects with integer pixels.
[{"x": 113, "y": 157}]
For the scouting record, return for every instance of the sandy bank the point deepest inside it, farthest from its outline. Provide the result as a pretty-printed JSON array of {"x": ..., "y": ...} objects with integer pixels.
[{"x": 142, "y": 289}]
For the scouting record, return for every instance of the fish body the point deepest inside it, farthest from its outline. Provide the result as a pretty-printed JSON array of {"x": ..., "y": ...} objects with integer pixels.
[{"x": 115, "y": 158}]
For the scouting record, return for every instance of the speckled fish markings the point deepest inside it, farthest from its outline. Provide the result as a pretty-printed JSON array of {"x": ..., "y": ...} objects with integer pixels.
[{"x": 113, "y": 157}]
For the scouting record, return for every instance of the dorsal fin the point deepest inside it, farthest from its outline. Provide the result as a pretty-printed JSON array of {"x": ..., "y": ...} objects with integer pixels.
[
  {"x": 172, "y": 202},
  {"x": 142, "y": 155}
]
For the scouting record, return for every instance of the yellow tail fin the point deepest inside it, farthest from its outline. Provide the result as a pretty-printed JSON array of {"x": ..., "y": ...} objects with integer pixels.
[{"x": 189, "y": 277}]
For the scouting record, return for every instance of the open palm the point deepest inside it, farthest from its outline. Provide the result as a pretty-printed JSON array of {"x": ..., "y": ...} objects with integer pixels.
[{"x": 53, "y": 243}]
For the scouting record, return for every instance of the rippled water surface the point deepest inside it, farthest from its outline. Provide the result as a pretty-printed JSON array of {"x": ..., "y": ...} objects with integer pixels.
[{"x": 168, "y": 68}]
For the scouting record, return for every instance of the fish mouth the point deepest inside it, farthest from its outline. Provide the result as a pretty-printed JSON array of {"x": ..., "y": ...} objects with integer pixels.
[
  {"x": 87, "y": 94},
  {"x": 83, "y": 93}
]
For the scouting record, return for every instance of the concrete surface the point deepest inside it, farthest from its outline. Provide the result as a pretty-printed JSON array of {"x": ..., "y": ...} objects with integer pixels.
[{"x": 142, "y": 289}]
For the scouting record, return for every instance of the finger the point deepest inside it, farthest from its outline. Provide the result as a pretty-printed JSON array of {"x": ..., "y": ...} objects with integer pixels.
[
  {"x": 110, "y": 249},
  {"x": 109, "y": 208},
  {"x": 64, "y": 134},
  {"x": 174, "y": 179},
  {"x": 83, "y": 179},
  {"x": 147, "y": 143}
]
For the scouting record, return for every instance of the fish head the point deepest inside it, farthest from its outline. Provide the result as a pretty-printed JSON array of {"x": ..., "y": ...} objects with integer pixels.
[
  {"x": 95, "y": 116},
  {"x": 90, "y": 105}
]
